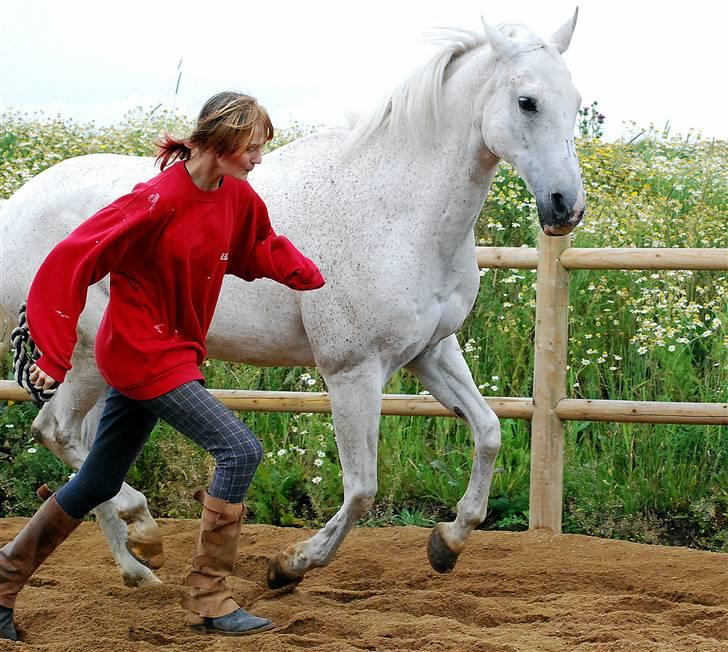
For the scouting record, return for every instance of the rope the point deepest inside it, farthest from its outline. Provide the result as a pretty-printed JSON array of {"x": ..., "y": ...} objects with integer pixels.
[{"x": 25, "y": 353}]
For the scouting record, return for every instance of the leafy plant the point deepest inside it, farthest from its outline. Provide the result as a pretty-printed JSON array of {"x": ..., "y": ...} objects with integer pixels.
[{"x": 590, "y": 122}]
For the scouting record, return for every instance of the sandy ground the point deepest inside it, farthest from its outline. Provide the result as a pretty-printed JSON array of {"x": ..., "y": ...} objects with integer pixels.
[{"x": 510, "y": 591}]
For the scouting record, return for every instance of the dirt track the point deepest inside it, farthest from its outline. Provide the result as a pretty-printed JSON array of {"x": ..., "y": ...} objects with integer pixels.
[{"x": 510, "y": 591}]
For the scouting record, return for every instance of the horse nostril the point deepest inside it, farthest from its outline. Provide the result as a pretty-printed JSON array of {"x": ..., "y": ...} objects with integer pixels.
[{"x": 559, "y": 205}]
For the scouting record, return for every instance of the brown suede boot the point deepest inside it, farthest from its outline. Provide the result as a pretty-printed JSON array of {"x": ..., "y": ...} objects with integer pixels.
[
  {"x": 19, "y": 559},
  {"x": 210, "y": 604}
]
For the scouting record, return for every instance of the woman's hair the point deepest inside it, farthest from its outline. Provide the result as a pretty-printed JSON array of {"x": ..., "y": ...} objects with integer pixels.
[{"x": 227, "y": 123}]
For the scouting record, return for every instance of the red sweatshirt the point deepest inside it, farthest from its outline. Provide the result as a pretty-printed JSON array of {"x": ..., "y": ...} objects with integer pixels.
[{"x": 167, "y": 246}]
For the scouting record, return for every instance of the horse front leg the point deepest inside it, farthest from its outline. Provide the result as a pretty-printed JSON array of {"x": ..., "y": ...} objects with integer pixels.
[
  {"x": 356, "y": 405},
  {"x": 445, "y": 374}
]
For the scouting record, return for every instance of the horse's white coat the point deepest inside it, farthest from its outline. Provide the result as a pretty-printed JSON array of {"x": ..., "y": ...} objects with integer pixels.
[{"x": 387, "y": 211}]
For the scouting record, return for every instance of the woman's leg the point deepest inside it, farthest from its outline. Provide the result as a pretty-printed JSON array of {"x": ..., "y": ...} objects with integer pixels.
[
  {"x": 47, "y": 529},
  {"x": 197, "y": 414},
  {"x": 123, "y": 429},
  {"x": 200, "y": 416}
]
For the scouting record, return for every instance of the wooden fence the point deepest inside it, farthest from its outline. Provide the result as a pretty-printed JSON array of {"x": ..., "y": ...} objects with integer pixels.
[{"x": 549, "y": 407}]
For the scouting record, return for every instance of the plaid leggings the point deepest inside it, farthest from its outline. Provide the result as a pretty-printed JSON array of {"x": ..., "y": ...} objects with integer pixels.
[{"x": 125, "y": 426}]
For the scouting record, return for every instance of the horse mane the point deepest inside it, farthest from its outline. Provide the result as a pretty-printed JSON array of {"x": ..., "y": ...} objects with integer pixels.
[{"x": 413, "y": 108}]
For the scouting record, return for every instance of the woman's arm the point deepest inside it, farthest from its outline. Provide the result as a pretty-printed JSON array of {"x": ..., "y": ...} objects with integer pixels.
[
  {"x": 272, "y": 256},
  {"x": 58, "y": 293}
]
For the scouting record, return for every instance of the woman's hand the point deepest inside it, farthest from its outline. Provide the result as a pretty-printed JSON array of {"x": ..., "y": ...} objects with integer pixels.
[
  {"x": 306, "y": 278},
  {"x": 40, "y": 378}
]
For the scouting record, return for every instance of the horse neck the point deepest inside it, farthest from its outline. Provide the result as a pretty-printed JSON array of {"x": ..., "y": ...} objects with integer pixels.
[{"x": 456, "y": 169}]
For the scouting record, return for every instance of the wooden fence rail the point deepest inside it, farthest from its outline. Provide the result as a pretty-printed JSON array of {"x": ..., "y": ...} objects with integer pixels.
[
  {"x": 549, "y": 407},
  {"x": 407, "y": 405},
  {"x": 593, "y": 258}
]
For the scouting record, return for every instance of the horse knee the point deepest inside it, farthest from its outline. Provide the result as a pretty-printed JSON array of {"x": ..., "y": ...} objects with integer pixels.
[
  {"x": 361, "y": 498},
  {"x": 45, "y": 427},
  {"x": 58, "y": 438},
  {"x": 489, "y": 446},
  {"x": 489, "y": 442}
]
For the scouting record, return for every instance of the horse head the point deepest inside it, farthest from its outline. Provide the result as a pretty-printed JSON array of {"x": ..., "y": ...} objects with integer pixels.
[{"x": 529, "y": 111}]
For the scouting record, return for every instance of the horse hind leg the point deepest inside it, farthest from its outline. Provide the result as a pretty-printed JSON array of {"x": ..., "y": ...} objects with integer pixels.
[
  {"x": 356, "y": 405},
  {"x": 445, "y": 374},
  {"x": 66, "y": 426},
  {"x": 126, "y": 521}
]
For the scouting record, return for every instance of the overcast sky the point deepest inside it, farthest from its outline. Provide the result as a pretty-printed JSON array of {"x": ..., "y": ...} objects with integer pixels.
[{"x": 312, "y": 61}]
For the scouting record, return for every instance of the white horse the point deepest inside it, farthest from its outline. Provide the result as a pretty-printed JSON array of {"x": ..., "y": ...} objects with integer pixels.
[{"x": 387, "y": 210}]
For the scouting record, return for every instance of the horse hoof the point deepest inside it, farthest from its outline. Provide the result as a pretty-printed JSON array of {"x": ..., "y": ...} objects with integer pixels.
[
  {"x": 139, "y": 579},
  {"x": 277, "y": 577},
  {"x": 146, "y": 549},
  {"x": 442, "y": 559}
]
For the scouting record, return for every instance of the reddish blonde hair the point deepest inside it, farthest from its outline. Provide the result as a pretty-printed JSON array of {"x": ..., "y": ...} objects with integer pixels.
[{"x": 227, "y": 123}]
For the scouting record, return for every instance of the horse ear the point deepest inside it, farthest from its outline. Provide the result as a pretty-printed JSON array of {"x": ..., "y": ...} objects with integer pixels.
[
  {"x": 562, "y": 36},
  {"x": 499, "y": 43}
]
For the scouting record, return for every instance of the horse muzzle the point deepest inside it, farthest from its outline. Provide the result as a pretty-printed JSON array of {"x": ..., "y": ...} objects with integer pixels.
[
  {"x": 563, "y": 229},
  {"x": 558, "y": 216}
]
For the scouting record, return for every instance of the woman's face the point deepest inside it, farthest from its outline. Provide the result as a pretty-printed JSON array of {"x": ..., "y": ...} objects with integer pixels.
[{"x": 238, "y": 165}]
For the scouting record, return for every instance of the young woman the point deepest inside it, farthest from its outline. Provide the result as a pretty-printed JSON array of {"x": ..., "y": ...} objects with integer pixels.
[{"x": 167, "y": 246}]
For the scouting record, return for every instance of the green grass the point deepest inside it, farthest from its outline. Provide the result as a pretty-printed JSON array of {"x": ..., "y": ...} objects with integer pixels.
[{"x": 656, "y": 336}]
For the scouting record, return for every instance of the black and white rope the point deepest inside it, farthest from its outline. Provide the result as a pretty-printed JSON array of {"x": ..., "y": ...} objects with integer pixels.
[{"x": 25, "y": 353}]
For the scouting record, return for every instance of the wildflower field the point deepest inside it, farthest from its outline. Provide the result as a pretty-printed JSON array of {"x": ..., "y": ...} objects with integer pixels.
[{"x": 658, "y": 336}]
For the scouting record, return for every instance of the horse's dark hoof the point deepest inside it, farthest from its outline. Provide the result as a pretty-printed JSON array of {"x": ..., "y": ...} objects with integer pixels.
[
  {"x": 148, "y": 551},
  {"x": 442, "y": 559},
  {"x": 277, "y": 577}
]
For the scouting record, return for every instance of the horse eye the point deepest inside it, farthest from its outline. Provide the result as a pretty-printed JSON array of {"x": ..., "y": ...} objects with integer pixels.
[{"x": 527, "y": 104}]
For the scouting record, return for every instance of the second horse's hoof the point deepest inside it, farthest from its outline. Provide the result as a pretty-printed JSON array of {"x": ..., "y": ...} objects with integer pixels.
[{"x": 442, "y": 559}]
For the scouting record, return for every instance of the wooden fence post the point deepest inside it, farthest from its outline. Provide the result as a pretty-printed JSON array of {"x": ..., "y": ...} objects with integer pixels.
[{"x": 549, "y": 385}]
